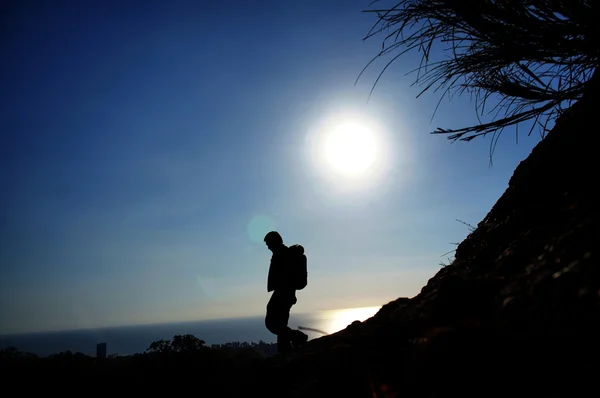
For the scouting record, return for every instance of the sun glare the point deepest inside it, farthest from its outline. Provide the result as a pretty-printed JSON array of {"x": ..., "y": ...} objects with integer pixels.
[
  {"x": 350, "y": 148},
  {"x": 351, "y": 154},
  {"x": 339, "y": 319}
]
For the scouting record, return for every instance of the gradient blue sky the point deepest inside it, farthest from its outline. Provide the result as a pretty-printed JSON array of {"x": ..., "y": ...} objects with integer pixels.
[{"x": 147, "y": 146}]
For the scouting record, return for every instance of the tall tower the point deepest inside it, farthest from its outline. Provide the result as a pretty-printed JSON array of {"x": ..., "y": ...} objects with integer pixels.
[{"x": 101, "y": 350}]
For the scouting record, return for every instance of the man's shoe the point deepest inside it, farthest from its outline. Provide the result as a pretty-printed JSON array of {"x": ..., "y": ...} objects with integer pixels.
[{"x": 299, "y": 339}]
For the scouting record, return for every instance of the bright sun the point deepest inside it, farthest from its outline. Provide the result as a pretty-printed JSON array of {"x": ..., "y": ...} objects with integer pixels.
[{"x": 350, "y": 148}]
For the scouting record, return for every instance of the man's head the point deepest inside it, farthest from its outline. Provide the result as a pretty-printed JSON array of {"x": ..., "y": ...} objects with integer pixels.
[{"x": 273, "y": 240}]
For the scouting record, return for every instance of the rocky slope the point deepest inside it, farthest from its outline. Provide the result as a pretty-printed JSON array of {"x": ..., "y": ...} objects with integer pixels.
[{"x": 517, "y": 313}]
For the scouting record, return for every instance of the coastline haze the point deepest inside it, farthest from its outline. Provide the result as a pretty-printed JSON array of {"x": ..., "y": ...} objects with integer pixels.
[{"x": 127, "y": 340}]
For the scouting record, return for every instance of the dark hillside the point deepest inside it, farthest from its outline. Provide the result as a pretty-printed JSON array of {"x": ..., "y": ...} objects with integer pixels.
[{"x": 517, "y": 313}]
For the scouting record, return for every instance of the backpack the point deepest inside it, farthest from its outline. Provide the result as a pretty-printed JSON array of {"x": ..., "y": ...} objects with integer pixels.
[{"x": 299, "y": 268}]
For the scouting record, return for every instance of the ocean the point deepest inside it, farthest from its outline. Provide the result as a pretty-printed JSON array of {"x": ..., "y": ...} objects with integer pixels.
[{"x": 126, "y": 340}]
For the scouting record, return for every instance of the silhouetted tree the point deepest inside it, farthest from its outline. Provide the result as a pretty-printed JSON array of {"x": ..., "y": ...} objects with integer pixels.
[
  {"x": 187, "y": 343},
  {"x": 11, "y": 354},
  {"x": 520, "y": 59},
  {"x": 161, "y": 345},
  {"x": 180, "y": 343}
]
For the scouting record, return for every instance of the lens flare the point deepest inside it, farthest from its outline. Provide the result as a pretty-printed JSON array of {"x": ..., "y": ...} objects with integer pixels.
[{"x": 259, "y": 226}]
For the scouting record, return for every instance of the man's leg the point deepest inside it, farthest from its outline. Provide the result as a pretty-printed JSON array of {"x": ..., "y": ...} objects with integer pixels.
[
  {"x": 284, "y": 345},
  {"x": 276, "y": 320}
]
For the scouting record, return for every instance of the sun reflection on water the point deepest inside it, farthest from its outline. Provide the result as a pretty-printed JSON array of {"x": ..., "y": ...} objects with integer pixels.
[{"x": 333, "y": 321}]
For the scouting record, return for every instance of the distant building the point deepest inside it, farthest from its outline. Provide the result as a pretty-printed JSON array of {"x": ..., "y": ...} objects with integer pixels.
[{"x": 101, "y": 350}]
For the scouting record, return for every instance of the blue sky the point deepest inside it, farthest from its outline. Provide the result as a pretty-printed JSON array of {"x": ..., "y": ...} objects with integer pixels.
[{"x": 148, "y": 146}]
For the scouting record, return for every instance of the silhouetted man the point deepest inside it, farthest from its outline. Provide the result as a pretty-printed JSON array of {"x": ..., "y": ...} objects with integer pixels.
[{"x": 280, "y": 282}]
